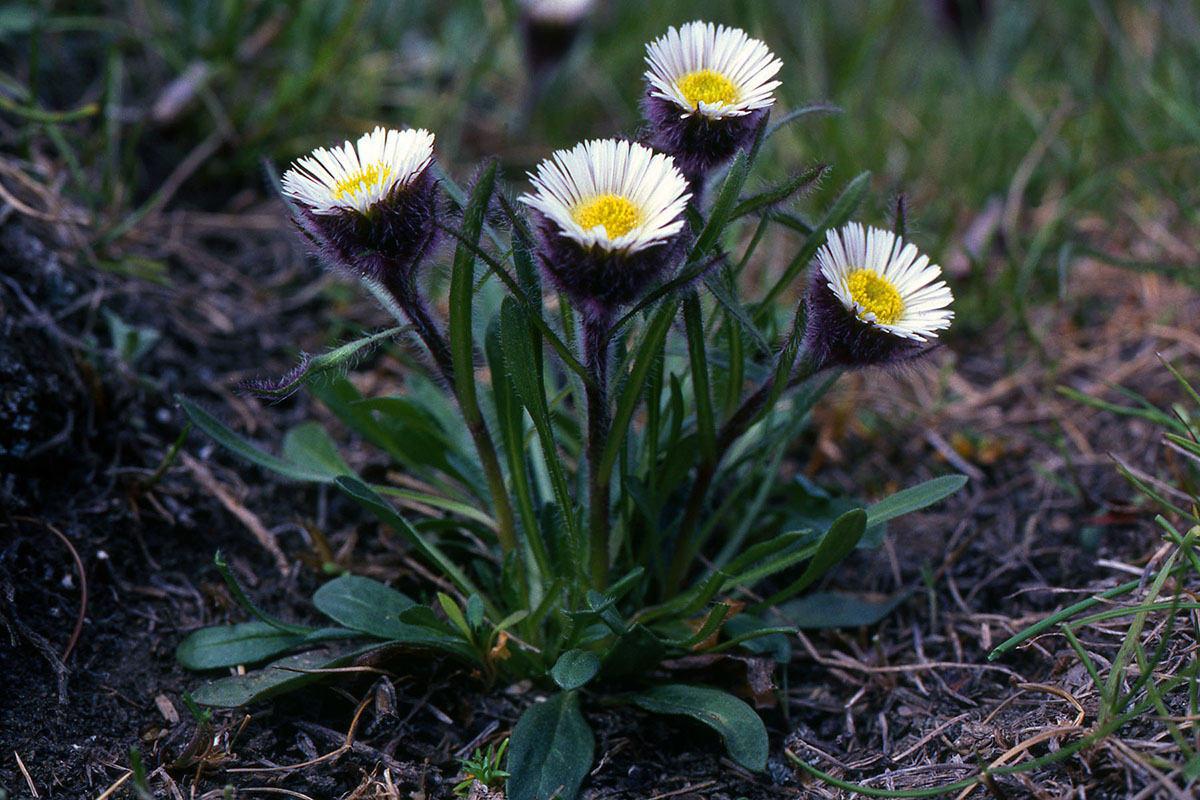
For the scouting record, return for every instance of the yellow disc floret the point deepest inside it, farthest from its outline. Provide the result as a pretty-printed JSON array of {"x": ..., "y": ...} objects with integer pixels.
[
  {"x": 614, "y": 212},
  {"x": 875, "y": 294},
  {"x": 367, "y": 176},
  {"x": 706, "y": 86}
]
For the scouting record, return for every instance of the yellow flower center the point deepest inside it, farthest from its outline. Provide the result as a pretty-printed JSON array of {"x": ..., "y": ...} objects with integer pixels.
[
  {"x": 614, "y": 212},
  {"x": 706, "y": 86},
  {"x": 876, "y": 294},
  {"x": 368, "y": 176}
]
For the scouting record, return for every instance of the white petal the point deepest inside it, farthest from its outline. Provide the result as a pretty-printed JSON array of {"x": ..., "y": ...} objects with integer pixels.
[
  {"x": 925, "y": 298},
  {"x": 746, "y": 63},
  {"x": 399, "y": 156},
  {"x": 648, "y": 180}
]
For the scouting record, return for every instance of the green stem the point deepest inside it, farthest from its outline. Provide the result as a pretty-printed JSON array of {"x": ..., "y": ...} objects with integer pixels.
[
  {"x": 402, "y": 287},
  {"x": 746, "y": 415},
  {"x": 595, "y": 346}
]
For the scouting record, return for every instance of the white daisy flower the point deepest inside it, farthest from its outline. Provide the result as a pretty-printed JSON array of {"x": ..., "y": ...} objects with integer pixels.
[
  {"x": 611, "y": 194},
  {"x": 557, "y": 12},
  {"x": 885, "y": 282},
  {"x": 357, "y": 176},
  {"x": 712, "y": 70}
]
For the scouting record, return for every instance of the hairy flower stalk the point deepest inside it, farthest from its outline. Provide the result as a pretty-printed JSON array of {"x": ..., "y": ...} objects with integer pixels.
[
  {"x": 371, "y": 209},
  {"x": 610, "y": 222}
]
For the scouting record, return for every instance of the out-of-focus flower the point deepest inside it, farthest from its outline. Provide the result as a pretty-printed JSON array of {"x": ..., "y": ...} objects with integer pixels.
[{"x": 550, "y": 28}]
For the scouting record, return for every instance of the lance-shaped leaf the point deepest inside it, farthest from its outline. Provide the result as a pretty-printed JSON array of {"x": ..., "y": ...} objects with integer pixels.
[
  {"x": 821, "y": 610},
  {"x": 744, "y": 734},
  {"x": 282, "y": 676},
  {"x": 550, "y": 751},
  {"x": 914, "y": 498},
  {"x": 845, "y": 206},
  {"x": 246, "y": 643},
  {"x": 839, "y": 541},
  {"x": 239, "y": 446},
  {"x": 369, "y": 499}
]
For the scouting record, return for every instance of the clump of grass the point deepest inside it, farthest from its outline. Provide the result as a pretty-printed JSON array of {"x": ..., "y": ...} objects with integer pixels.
[{"x": 1136, "y": 643}]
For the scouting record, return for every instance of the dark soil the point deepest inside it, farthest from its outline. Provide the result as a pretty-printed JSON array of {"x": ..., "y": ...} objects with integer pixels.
[{"x": 84, "y": 431}]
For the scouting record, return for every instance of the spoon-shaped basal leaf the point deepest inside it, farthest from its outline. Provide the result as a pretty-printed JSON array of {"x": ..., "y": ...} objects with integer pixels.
[{"x": 744, "y": 734}]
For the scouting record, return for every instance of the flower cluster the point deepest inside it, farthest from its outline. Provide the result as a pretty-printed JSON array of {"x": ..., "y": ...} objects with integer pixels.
[
  {"x": 609, "y": 212},
  {"x": 579, "y": 503}
]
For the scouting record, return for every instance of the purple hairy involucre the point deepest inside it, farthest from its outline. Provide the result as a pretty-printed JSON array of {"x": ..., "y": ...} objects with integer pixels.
[
  {"x": 600, "y": 281},
  {"x": 697, "y": 142},
  {"x": 391, "y": 238},
  {"x": 834, "y": 336}
]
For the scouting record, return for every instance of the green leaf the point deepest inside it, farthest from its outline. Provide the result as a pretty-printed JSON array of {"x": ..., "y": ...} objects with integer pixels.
[
  {"x": 309, "y": 447},
  {"x": 828, "y": 610},
  {"x": 723, "y": 206},
  {"x": 636, "y": 651},
  {"x": 647, "y": 354},
  {"x": 282, "y": 676},
  {"x": 705, "y": 425},
  {"x": 230, "y": 645},
  {"x": 454, "y": 613},
  {"x": 239, "y": 446},
  {"x": 364, "y": 605},
  {"x": 510, "y": 417},
  {"x": 744, "y": 734},
  {"x": 845, "y": 206},
  {"x": 462, "y": 291},
  {"x": 519, "y": 358},
  {"x": 310, "y": 368},
  {"x": 837, "y": 543},
  {"x": 762, "y": 551},
  {"x": 712, "y": 623},
  {"x": 757, "y": 636},
  {"x": 914, "y": 498},
  {"x": 550, "y": 751},
  {"x": 574, "y": 668},
  {"x": 374, "y": 609},
  {"x": 130, "y": 341},
  {"x": 369, "y": 499},
  {"x": 778, "y": 194},
  {"x": 475, "y": 611},
  {"x": 729, "y": 301}
]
